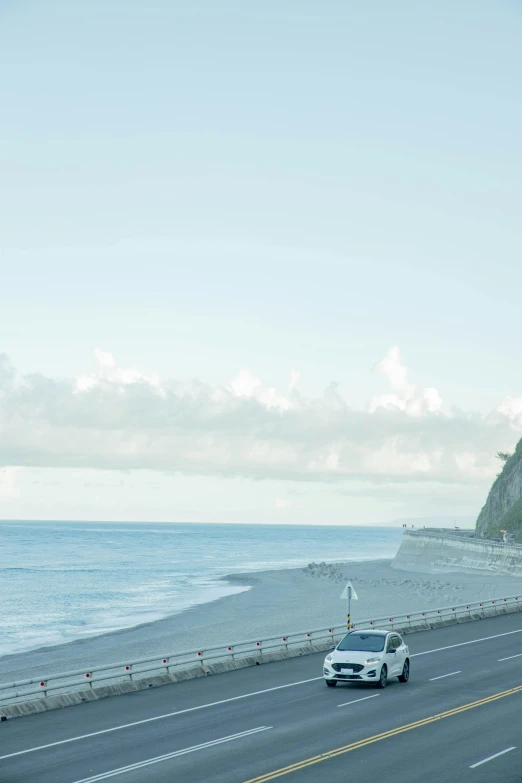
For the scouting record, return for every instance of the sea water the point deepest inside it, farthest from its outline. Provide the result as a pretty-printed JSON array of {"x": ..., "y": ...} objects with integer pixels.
[{"x": 61, "y": 581}]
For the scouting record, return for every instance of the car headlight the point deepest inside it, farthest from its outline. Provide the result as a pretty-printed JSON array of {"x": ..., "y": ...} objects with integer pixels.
[
  {"x": 372, "y": 660},
  {"x": 328, "y": 659}
]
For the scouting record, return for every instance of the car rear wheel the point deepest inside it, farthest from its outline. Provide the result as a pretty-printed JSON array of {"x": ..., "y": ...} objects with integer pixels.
[
  {"x": 383, "y": 679},
  {"x": 405, "y": 676},
  {"x": 331, "y": 683}
]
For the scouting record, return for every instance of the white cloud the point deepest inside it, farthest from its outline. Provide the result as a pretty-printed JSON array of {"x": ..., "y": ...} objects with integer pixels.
[
  {"x": 294, "y": 380},
  {"x": 124, "y": 419},
  {"x": 245, "y": 385},
  {"x": 409, "y": 398},
  {"x": 392, "y": 367},
  {"x": 511, "y": 408},
  {"x": 109, "y": 372},
  {"x": 9, "y": 490}
]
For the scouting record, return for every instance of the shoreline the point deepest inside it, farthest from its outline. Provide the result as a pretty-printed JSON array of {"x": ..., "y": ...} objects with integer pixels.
[{"x": 274, "y": 601}]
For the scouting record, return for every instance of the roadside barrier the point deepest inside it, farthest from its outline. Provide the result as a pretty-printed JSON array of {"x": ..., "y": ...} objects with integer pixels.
[
  {"x": 469, "y": 541},
  {"x": 136, "y": 674}
]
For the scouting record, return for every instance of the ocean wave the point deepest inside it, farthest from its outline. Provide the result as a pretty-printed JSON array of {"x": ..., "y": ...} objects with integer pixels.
[{"x": 63, "y": 583}]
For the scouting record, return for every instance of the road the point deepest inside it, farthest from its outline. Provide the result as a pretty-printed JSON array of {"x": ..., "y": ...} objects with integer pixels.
[{"x": 458, "y": 719}]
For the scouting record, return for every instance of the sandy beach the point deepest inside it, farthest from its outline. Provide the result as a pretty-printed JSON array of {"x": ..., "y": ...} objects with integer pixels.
[{"x": 278, "y": 601}]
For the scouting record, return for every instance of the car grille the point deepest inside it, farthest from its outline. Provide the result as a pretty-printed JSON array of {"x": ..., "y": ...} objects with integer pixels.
[{"x": 337, "y": 667}]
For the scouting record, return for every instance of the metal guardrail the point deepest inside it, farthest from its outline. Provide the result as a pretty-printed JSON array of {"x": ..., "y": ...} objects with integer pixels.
[
  {"x": 128, "y": 670},
  {"x": 467, "y": 539}
]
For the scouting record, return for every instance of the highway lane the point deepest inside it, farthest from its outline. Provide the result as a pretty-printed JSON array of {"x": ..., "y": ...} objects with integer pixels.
[
  {"x": 245, "y": 735},
  {"x": 477, "y": 745}
]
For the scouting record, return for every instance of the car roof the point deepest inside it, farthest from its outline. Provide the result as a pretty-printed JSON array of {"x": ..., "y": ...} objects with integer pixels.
[{"x": 371, "y": 631}]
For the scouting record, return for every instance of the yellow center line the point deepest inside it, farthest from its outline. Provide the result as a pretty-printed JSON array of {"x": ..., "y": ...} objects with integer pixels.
[{"x": 377, "y": 737}]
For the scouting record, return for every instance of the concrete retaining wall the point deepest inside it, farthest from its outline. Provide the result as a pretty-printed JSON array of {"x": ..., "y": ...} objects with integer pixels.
[
  {"x": 442, "y": 552},
  {"x": 94, "y": 694}
]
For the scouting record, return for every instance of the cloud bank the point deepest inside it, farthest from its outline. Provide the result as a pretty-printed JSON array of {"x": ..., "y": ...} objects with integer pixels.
[{"x": 122, "y": 419}]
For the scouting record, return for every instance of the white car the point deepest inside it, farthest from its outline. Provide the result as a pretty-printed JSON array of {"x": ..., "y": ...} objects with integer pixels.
[{"x": 368, "y": 656}]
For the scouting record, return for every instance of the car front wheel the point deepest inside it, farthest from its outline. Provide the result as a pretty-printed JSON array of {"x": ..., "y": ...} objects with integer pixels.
[
  {"x": 383, "y": 679},
  {"x": 331, "y": 683},
  {"x": 405, "y": 676}
]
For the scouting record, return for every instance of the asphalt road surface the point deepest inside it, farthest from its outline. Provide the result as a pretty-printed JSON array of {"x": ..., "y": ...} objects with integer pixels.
[{"x": 459, "y": 718}]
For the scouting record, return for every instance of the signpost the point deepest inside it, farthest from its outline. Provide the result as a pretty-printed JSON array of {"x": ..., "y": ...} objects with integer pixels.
[{"x": 349, "y": 595}]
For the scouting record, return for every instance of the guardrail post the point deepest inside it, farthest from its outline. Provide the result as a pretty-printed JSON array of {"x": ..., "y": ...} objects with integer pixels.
[
  {"x": 128, "y": 669},
  {"x": 44, "y": 693}
]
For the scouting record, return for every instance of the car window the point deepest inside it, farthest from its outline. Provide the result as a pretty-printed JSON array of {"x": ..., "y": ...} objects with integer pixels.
[
  {"x": 365, "y": 642},
  {"x": 393, "y": 643}
]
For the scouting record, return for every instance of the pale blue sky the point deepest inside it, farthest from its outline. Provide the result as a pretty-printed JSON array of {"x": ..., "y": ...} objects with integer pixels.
[{"x": 200, "y": 188}]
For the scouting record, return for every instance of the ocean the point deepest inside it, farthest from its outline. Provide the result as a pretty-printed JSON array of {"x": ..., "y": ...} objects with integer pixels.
[{"x": 61, "y": 581}]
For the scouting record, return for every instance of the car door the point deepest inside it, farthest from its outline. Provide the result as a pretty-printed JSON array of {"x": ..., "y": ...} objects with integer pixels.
[
  {"x": 402, "y": 653},
  {"x": 391, "y": 655},
  {"x": 396, "y": 659}
]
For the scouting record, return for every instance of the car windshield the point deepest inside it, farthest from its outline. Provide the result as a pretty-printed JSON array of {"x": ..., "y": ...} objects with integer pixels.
[{"x": 366, "y": 642}]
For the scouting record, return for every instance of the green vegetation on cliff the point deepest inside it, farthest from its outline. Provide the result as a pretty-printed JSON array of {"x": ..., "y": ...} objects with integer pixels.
[
  {"x": 512, "y": 520},
  {"x": 510, "y": 461},
  {"x": 503, "y": 507}
]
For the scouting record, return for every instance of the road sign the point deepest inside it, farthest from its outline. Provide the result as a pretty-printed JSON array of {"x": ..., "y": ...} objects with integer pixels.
[
  {"x": 353, "y": 595},
  {"x": 349, "y": 595}
]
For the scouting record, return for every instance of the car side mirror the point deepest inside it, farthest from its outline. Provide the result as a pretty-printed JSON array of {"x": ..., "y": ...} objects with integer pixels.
[{"x": 334, "y": 647}]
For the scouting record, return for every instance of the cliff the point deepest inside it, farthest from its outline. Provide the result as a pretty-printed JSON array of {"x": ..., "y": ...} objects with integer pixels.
[{"x": 503, "y": 507}]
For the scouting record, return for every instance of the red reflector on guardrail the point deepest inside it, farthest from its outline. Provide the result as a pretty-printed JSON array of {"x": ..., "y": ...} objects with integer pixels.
[
  {"x": 42, "y": 684},
  {"x": 164, "y": 660},
  {"x": 127, "y": 668},
  {"x": 87, "y": 675},
  {"x": 200, "y": 654}
]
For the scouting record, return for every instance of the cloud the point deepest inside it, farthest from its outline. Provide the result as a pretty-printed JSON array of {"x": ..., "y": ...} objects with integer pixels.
[
  {"x": 109, "y": 372},
  {"x": 8, "y": 486},
  {"x": 124, "y": 419},
  {"x": 511, "y": 409},
  {"x": 409, "y": 398}
]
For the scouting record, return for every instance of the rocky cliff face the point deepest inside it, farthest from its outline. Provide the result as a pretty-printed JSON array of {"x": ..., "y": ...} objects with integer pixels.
[{"x": 503, "y": 507}]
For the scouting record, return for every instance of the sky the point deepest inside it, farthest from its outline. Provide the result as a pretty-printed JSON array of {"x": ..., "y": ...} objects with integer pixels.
[{"x": 259, "y": 262}]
